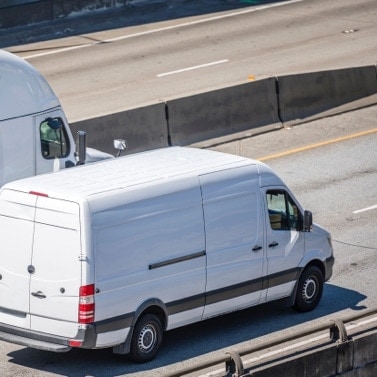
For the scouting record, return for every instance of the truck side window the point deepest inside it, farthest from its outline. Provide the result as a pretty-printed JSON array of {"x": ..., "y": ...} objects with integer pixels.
[
  {"x": 54, "y": 138},
  {"x": 283, "y": 211}
]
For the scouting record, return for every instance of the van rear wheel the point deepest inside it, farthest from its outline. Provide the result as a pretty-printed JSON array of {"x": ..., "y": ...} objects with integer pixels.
[
  {"x": 309, "y": 289},
  {"x": 146, "y": 339}
]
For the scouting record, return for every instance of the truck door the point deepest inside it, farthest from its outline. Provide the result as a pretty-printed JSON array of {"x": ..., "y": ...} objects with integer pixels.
[
  {"x": 55, "y": 268},
  {"x": 54, "y": 143},
  {"x": 284, "y": 241},
  {"x": 17, "y": 149},
  {"x": 234, "y": 239}
]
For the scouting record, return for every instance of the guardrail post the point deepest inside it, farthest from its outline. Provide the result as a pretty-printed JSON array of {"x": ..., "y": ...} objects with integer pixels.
[
  {"x": 338, "y": 332},
  {"x": 234, "y": 366},
  {"x": 345, "y": 347}
]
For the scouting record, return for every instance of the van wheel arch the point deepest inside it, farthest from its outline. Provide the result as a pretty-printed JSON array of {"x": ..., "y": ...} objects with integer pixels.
[{"x": 152, "y": 306}]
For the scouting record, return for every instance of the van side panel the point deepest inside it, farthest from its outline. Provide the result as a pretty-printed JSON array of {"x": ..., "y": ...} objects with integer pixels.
[
  {"x": 16, "y": 237},
  {"x": 233, "y": 228},
  {"x": 57, "y": 275},
  {"x": 152, "y": 248}
]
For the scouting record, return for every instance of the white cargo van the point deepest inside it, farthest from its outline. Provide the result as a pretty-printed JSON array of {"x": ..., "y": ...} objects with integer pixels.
[{"x": 113, "y": 254}]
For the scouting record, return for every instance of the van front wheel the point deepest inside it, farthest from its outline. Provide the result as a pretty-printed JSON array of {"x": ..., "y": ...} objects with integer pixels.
[
  {"x": 309, "y": 289},
  {"x": 146, "y": 339}
]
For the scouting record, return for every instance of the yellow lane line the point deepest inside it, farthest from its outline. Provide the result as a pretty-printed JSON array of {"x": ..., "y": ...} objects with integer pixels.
[{"x": 317, "y": 145}]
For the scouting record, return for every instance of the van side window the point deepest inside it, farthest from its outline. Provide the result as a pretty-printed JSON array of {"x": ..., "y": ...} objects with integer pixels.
[
  {"x": 283, "y": 211},
  {"x": 54, "y": 138}
]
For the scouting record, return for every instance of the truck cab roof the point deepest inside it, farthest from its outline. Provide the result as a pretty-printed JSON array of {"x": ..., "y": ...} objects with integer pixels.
[{"x": 23, "y": 91}]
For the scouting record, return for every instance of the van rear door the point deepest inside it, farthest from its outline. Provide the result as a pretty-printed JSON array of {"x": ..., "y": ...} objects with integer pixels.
[
  {"x": 40, "y": 268},
  {"x": 16, "y": 238},
  {"x": 56, "y": 267}
]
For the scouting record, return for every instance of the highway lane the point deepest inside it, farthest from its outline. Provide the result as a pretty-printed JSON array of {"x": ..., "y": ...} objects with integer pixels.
[
  {"x": 333, "y": 180},
  {"x": 113, "y": 70}
]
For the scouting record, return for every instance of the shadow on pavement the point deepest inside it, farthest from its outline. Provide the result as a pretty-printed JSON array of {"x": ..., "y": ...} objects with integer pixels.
[{"x": 191, "y": 341}]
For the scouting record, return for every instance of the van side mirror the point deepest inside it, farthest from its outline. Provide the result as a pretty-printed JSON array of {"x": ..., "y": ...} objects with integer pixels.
[
  {"x": 308, "y": 221},
  {"x": 120, "y": 145}
]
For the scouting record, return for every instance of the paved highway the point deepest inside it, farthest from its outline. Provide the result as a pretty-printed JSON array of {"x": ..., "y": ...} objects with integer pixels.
[
  {"x": 330, "y": 164},
  {"x": 109, "y": 71}
]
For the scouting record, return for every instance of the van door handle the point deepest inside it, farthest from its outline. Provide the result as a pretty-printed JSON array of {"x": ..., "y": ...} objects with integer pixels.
[
  {"x": 273, "y": 244},
  {"x": 38, "y": 294},
  {"x": 256, "y": 248}
]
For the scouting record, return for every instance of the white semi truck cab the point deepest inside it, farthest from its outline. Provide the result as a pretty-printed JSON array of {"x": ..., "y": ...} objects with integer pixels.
[{"x": 34, "y": 134}]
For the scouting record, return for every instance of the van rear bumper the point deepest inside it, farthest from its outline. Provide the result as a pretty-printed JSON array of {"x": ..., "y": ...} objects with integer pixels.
[{"x": 85, "y": 338}]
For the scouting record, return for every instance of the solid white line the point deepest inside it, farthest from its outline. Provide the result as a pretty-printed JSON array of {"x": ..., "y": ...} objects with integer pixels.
[
  {"x": 192, "y": 68},
  {"x": 365, "y": 209},
  {"x": 63, "y": 49},
  {"x": 166, "y": 28},
  {"x": 203, "y": 20}
]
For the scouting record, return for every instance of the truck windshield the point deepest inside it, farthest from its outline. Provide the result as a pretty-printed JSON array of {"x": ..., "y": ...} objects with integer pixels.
[{"x": 54, "y": 139}]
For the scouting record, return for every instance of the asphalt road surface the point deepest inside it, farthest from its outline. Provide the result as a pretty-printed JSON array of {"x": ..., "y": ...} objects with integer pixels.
[
  {"x": 330, "y": 164},
  {"x": 109, "y": 71}
]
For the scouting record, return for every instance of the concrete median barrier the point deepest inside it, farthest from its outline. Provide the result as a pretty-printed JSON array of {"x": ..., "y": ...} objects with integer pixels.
[
  {"x": 235, "y": 110},
  {"x": 356, "y": 357},
  {"x": 144, "y": 128},
  {"x": 303, "y": 95},
  {"x": 222, "y": 112}
]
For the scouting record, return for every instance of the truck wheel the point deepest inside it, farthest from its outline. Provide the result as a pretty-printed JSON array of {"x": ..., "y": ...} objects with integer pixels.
[
  {"x": 309, "y": 289},
  {"x": 146, "y": 339}
]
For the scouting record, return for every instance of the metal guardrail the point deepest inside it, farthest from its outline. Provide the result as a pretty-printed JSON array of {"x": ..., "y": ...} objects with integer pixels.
[
  {"x": 15, "y": 3},
  {"x": 232, "y": 359}
]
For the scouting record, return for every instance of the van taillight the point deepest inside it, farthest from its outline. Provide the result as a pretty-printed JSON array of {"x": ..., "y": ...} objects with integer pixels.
[{"x": 86, "y": 304}]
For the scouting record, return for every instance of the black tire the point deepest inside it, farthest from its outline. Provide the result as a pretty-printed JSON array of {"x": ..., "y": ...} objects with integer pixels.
[
  {"x": 309, "y": 289},
  {"x": 146, "y": 339}
]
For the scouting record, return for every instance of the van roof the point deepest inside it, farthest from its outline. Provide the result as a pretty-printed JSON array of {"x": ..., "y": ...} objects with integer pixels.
[
  {"x": 24, "y": 90},
  {"x": 144, "y": 168}
]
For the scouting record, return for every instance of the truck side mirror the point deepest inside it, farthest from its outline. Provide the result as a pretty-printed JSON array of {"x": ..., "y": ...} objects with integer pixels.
[
  {"x": 308, "y": 221},
  {"x": 54, "y": 123},
  {"x": 120, "y": 145},
  {"x": 81, "y": 147}
]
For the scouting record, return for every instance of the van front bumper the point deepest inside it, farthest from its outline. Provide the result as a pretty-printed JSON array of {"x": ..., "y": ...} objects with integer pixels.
[{"x": 85, "y": 338}]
